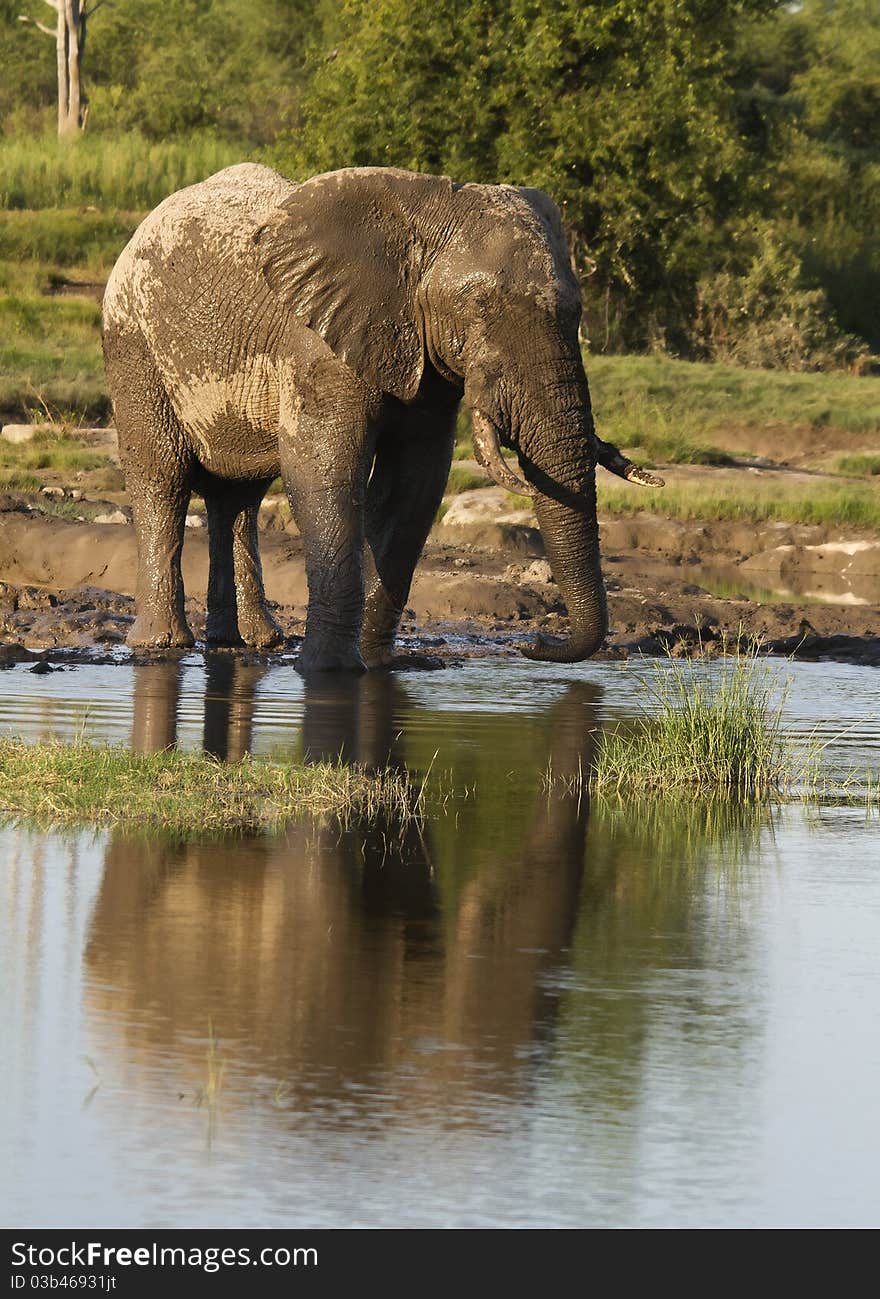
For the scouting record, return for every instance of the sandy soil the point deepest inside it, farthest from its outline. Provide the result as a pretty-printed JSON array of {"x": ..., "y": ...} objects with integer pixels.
[{"x": 482, "y": 586}]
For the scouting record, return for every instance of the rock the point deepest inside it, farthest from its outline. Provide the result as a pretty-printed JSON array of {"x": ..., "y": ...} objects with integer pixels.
[
  {"x": 485, "y": 505},
  {"x": 33, "y": 597},
  {"x": 19, "y": 432},
  {"x": 118, "y": 516},
  {"x": 76, "y": 494},
  {"x": 192, "y": 521},
  {"x": 10, "y": 504},
  {"x": 14, "y": 653},
  {"x": 493, "y": 536},
  {"x": 40, "y": 669},
  {"x": 538, "y": 571}
]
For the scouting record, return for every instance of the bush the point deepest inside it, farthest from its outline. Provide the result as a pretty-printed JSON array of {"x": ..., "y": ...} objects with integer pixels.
[{"x": 767, "y": 317}]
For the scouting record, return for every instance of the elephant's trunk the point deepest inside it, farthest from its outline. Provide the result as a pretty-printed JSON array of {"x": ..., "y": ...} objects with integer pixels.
[
  {"x": 560, "y": 476},
  {"x": 571, "y": 540}
]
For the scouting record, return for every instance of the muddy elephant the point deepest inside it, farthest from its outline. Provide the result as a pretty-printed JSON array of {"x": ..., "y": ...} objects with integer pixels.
[{"x": 327, "y": 331}]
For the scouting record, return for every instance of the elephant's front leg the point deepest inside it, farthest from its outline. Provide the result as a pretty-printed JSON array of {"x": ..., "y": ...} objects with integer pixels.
[
  {"x": 325, "y": 458},
  {"x": 404, "y": 494}
]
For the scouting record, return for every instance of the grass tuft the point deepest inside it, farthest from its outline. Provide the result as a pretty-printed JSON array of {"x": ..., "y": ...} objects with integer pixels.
[
  {"x": 81, "y": 783},
  {"x": 707, "y": 730}
]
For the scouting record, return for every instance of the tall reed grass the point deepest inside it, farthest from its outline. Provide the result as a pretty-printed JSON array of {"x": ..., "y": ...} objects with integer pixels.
[
  {"x": 707, "y": 729},
  {"x": 113, "y": 170}
]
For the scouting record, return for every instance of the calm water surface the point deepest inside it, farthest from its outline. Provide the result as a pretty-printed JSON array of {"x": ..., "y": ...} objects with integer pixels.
[{"x": 533, "y": 1012}]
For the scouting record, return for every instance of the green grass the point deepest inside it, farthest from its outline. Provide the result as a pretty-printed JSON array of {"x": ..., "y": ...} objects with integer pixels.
[
  {"x": 706, "y": 730},
  {"x": 860, "y": 466},
  {"x": 105, "y": 170},
  {"x": 81, "y": 783},
  {"x": 50, "y": 357},
  {"x": 712, "y": 731},
  {"x": 465, "y": 480},
  {"x": 58, "y": 238},
  {"x": 694, "y": 399},
  {"x": 64, "y": 457},
  {"x": 749, "y": 501},
  {"x": 15, "y": 480}
]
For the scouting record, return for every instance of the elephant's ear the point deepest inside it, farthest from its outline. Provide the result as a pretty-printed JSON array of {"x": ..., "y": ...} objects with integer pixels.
[{"x": 343, "y": 254}]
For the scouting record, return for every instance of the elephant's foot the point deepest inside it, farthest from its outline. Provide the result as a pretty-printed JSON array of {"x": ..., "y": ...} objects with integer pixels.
[
  {"x": 377, "y": 656},
  {"x": 222, "y": 629},
  {"x": 328, "y": 658},
  {"x": 260, "y": 630},
  {"x": 155, "y": 631}
]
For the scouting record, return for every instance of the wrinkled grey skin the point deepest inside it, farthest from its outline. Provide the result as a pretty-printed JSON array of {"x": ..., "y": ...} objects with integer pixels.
[{"x": 327, "y": 331}]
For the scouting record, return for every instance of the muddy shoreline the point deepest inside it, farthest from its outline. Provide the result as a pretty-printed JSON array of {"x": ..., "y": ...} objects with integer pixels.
[{"x": 482, "y": 587}]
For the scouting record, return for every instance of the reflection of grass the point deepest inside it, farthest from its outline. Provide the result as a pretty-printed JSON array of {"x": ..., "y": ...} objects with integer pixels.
[
  {"x": 684, "y": 830},
  {"x": 55, "y": 783},
  {"x": 715, "y": 731},
  {"x": 209, "y": 1092}
]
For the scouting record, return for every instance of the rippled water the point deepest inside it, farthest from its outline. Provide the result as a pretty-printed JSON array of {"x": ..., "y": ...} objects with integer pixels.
[{"x": 533, "y": 1012}]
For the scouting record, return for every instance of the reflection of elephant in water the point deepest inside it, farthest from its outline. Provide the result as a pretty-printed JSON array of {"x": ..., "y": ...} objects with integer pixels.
[
  {"x": 331, "y": 953},
  {"x": 327, "y": 331},
  {"x": 230, "y": 686}
]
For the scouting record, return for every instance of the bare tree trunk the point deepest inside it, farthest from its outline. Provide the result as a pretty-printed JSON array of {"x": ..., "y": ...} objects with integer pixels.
[
  {"x": 73, "y": 15},
  {"x": 61, "y": 56},
  {"x": 70, "y": 39}
]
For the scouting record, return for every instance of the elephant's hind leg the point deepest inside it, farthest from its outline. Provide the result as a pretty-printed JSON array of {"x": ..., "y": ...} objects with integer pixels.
[
  {"x": 255, "y": 622},
  {"x": 237, "y": 612},
  {"x": 158, "y": 475},
  {"x": 406, "y": 488}
]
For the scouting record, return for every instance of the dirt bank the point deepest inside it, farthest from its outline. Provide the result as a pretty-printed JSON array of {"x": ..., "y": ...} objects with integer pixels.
[{"x": 483, "y": 584}]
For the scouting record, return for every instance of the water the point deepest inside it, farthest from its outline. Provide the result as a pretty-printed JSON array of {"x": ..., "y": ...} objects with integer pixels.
[{"x": 534, "y": 1013}]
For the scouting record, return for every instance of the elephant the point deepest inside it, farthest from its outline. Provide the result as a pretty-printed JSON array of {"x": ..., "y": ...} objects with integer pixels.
[{"x": 327, "y": 331}]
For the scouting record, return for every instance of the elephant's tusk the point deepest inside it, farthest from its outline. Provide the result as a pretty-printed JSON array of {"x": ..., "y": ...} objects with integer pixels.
[
  {"x": 611, "y": 459},
  {"x": 487, "y": 450}
]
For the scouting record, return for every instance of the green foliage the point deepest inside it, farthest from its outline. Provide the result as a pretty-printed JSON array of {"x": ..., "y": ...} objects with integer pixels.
[
  {"x": 761, "y": 315},
  {"x": 166, "y": 67},
  {"x": 810, "y": 91},
  {"x": 623, "y": 112},
  {"x": 717, "y": 162}
]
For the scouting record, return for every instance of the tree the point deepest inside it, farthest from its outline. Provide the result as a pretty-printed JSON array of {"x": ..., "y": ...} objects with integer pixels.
[
  {"x": 70, "y": 39},
  {"x": 625, "y": 113}
]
